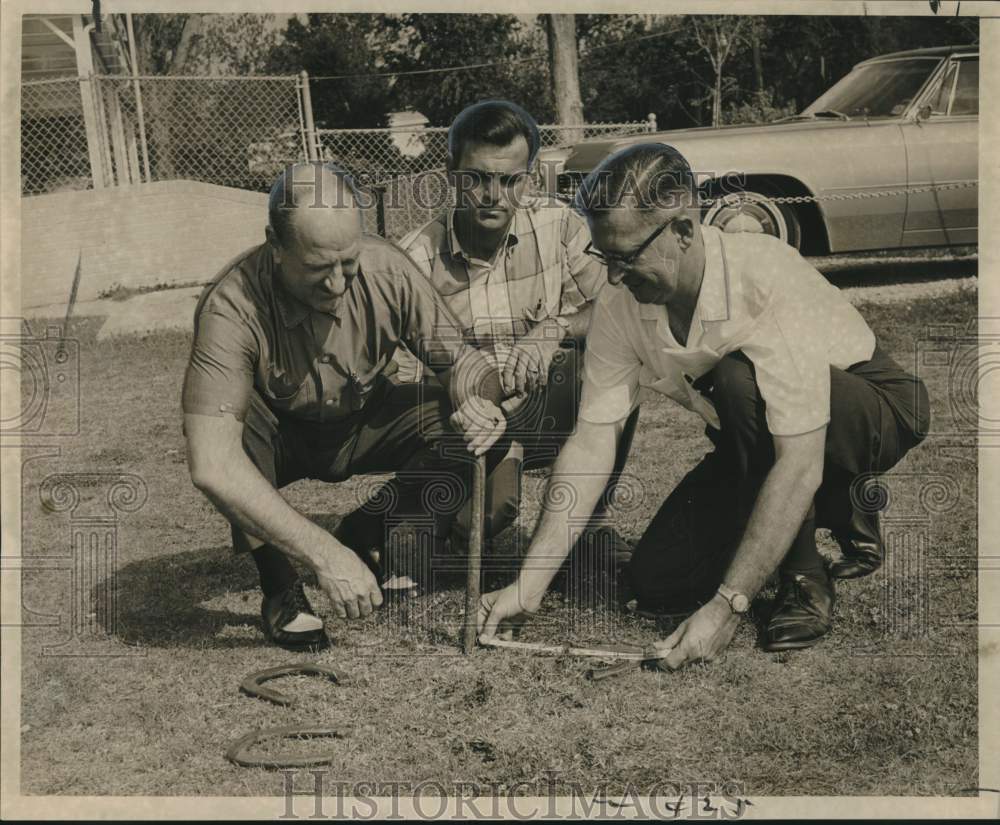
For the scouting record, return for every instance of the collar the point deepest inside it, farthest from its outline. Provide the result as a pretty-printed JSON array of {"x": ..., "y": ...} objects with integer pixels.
[
  {"x": 455, "y": 248},
  {"x": 292, "y": 311},
  {"x": 713, "y": 298}
]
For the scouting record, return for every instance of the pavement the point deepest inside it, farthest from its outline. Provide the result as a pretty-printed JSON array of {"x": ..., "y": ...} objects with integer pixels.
[{"x": 137, "y": 315}]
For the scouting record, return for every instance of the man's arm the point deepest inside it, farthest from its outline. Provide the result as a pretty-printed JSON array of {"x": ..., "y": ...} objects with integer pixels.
[
  {"x": 217, "y": 394},
  {"x": 581, "y": 474},
  {"x": 579, "y": 322},
  {"x": 221, "y": 469},
  {"x": 781, "y": 506}
]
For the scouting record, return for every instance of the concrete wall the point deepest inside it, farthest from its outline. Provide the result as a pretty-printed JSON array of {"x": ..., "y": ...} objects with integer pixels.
[{"x": 139, "y": 236}]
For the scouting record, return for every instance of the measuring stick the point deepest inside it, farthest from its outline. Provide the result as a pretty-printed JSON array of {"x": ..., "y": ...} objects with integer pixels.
[
  {"x": 630, "y": 653},
  {"x": 475, "y": 564}
]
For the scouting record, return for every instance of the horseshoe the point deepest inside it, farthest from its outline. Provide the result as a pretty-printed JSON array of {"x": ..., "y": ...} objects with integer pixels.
[
  {"x": 237, "y": 752},
  {"x": 252, "y": 685}
]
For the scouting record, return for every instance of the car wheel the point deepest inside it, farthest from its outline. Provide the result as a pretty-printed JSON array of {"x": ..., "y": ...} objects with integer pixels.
[{"x": 754, "y": 212}]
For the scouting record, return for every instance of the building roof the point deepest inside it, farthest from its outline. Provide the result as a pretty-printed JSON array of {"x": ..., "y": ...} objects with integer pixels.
[{"x": 45, "y": 55}]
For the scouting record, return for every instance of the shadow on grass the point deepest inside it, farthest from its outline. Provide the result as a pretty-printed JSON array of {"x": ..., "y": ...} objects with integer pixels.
[
  {"x": 881, "y": 273},
  {"x": 160, "y": 600}
]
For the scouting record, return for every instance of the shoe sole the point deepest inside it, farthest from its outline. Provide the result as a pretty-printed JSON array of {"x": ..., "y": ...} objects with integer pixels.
[
  {"x": 302, "y": 647},
  {"x": 777, "y": 647}
]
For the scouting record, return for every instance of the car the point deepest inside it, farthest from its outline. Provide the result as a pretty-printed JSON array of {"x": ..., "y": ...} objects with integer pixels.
[{"x": 886, "y": 159}]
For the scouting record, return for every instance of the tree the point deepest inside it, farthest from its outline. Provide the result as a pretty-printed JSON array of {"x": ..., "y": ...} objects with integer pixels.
[
  {"x": 631, "y": 65},
  {"x": 561, "y": 31},
  {"x": 514, "y": 54},
  {"x": 719, "y": 37},
  {"x": 173, "y": 45}
]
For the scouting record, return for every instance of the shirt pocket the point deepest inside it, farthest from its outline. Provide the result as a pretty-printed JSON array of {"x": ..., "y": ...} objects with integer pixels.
[{"x": 288, "y": 394}]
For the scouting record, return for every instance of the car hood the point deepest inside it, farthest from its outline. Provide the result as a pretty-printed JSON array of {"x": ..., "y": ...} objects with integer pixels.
[{"x": 586, "y": 155}]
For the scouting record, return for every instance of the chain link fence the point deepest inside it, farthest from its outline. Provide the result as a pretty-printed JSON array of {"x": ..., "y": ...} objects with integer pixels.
[
  {"x": 54, "y": 155},
  {"x": 100, "y": 131},
  {"x": 405, "y": 167}
]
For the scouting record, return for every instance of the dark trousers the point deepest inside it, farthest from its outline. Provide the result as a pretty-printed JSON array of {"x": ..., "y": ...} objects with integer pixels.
[
  {"x": 876, "y": 413},
  {"x": 402, "y": 429},
  {"x": 538, "y": 429}
]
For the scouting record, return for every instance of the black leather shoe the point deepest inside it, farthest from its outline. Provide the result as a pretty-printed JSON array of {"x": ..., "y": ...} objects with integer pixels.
[
  {"x": 861, "y": 544},
  {"x": 290, "y": 621},
  {"x": 803, "y": 611}
]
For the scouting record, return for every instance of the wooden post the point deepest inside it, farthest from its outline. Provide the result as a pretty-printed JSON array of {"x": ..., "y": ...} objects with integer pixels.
[
  {"x": 85, "y": 72},
  {"x": 138, "y": 97},
  {"x": 475, "y": 566}
]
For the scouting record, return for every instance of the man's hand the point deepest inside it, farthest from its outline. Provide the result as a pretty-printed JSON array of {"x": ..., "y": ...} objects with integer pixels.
[
  {"x": 481, "y": 422},
  {"x": 410, "y": 369},
  {"x": 527, "y": 364},
  {"x": 508, "y": 607},
  {"x": 701, "y": 637},
  {"x": 348, "y": 583}
]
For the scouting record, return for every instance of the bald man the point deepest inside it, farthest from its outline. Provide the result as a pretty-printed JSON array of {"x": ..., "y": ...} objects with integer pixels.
[{"x": 285, "y": 381}]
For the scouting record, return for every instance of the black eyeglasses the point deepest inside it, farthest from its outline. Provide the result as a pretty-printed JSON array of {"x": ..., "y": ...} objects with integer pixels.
[{"x": 632, "y": 257}]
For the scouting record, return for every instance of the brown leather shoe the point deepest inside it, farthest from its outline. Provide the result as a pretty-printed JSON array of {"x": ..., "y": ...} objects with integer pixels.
[
  {"x": 803, "y": 611},
  {"x": 861, "y": 545},
  {"x": 290, "y": 621}
]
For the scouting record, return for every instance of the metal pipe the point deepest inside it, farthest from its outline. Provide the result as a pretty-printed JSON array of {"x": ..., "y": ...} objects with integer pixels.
[
  {"x": 138, "y": 97},
  {"x": 474, "y": 570},
  {"x": 312, "y": 141}
]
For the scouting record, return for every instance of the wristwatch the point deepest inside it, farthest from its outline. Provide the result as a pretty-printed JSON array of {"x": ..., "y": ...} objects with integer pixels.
[{"x": 738, "y": 602}]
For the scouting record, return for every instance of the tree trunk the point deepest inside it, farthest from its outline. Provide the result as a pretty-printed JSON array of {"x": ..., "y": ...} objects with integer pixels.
[
  {"x": 561, "y": 29},
  {"x": 159, "y": 96},
  {"x": 717, "y": 99},
  {"x": 758, "y": 63}
]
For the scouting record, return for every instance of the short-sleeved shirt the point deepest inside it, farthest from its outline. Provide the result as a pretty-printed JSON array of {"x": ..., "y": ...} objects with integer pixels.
[
  {"x": 251, "y": 334},
  {"x": 758, "y": 295},
  {"x": 541, "y": 270}
]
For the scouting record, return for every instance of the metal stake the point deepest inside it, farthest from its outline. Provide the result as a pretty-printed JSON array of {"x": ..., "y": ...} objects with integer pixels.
[{"x": 475, "y": 555}]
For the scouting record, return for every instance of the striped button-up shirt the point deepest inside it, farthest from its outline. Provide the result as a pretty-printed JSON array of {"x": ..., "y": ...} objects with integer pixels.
[{"x": 540, "y": 271}]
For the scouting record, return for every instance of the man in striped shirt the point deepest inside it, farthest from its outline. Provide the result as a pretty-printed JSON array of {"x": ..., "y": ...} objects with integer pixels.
[{"x": 511, "y": 266}]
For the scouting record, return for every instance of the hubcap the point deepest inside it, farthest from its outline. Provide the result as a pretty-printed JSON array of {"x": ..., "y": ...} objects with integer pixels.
[{"x": 747, "y": 212}]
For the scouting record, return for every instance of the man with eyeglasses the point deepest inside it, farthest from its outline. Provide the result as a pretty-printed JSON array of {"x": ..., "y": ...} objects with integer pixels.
[
  {"x": 801, "y": 404},
  {"x": 511, "y": 266}
]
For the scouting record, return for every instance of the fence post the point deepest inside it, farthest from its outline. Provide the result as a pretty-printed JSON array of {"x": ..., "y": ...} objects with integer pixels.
[
  {"x": 312, "y": 144},
  {"x": 651, "y": 122}
]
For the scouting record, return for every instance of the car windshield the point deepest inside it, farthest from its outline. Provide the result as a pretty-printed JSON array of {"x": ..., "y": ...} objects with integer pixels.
[{"x": 881, "y": 89}]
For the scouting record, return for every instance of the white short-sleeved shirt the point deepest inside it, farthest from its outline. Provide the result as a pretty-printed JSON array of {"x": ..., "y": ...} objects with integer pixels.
[{"x": 758, "y": 296}]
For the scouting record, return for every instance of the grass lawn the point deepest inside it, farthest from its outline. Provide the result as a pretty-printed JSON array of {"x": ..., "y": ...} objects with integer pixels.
[{"x": 887, "y": 705}]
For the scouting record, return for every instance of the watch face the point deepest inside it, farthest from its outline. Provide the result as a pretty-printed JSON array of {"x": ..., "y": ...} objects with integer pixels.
[{"x": 740, "y": 603}]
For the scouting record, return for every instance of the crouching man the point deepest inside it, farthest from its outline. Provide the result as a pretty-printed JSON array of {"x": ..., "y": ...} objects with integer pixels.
[
  {"x": 285, "y": 382},
  {"x": 801, "y": 404}
]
